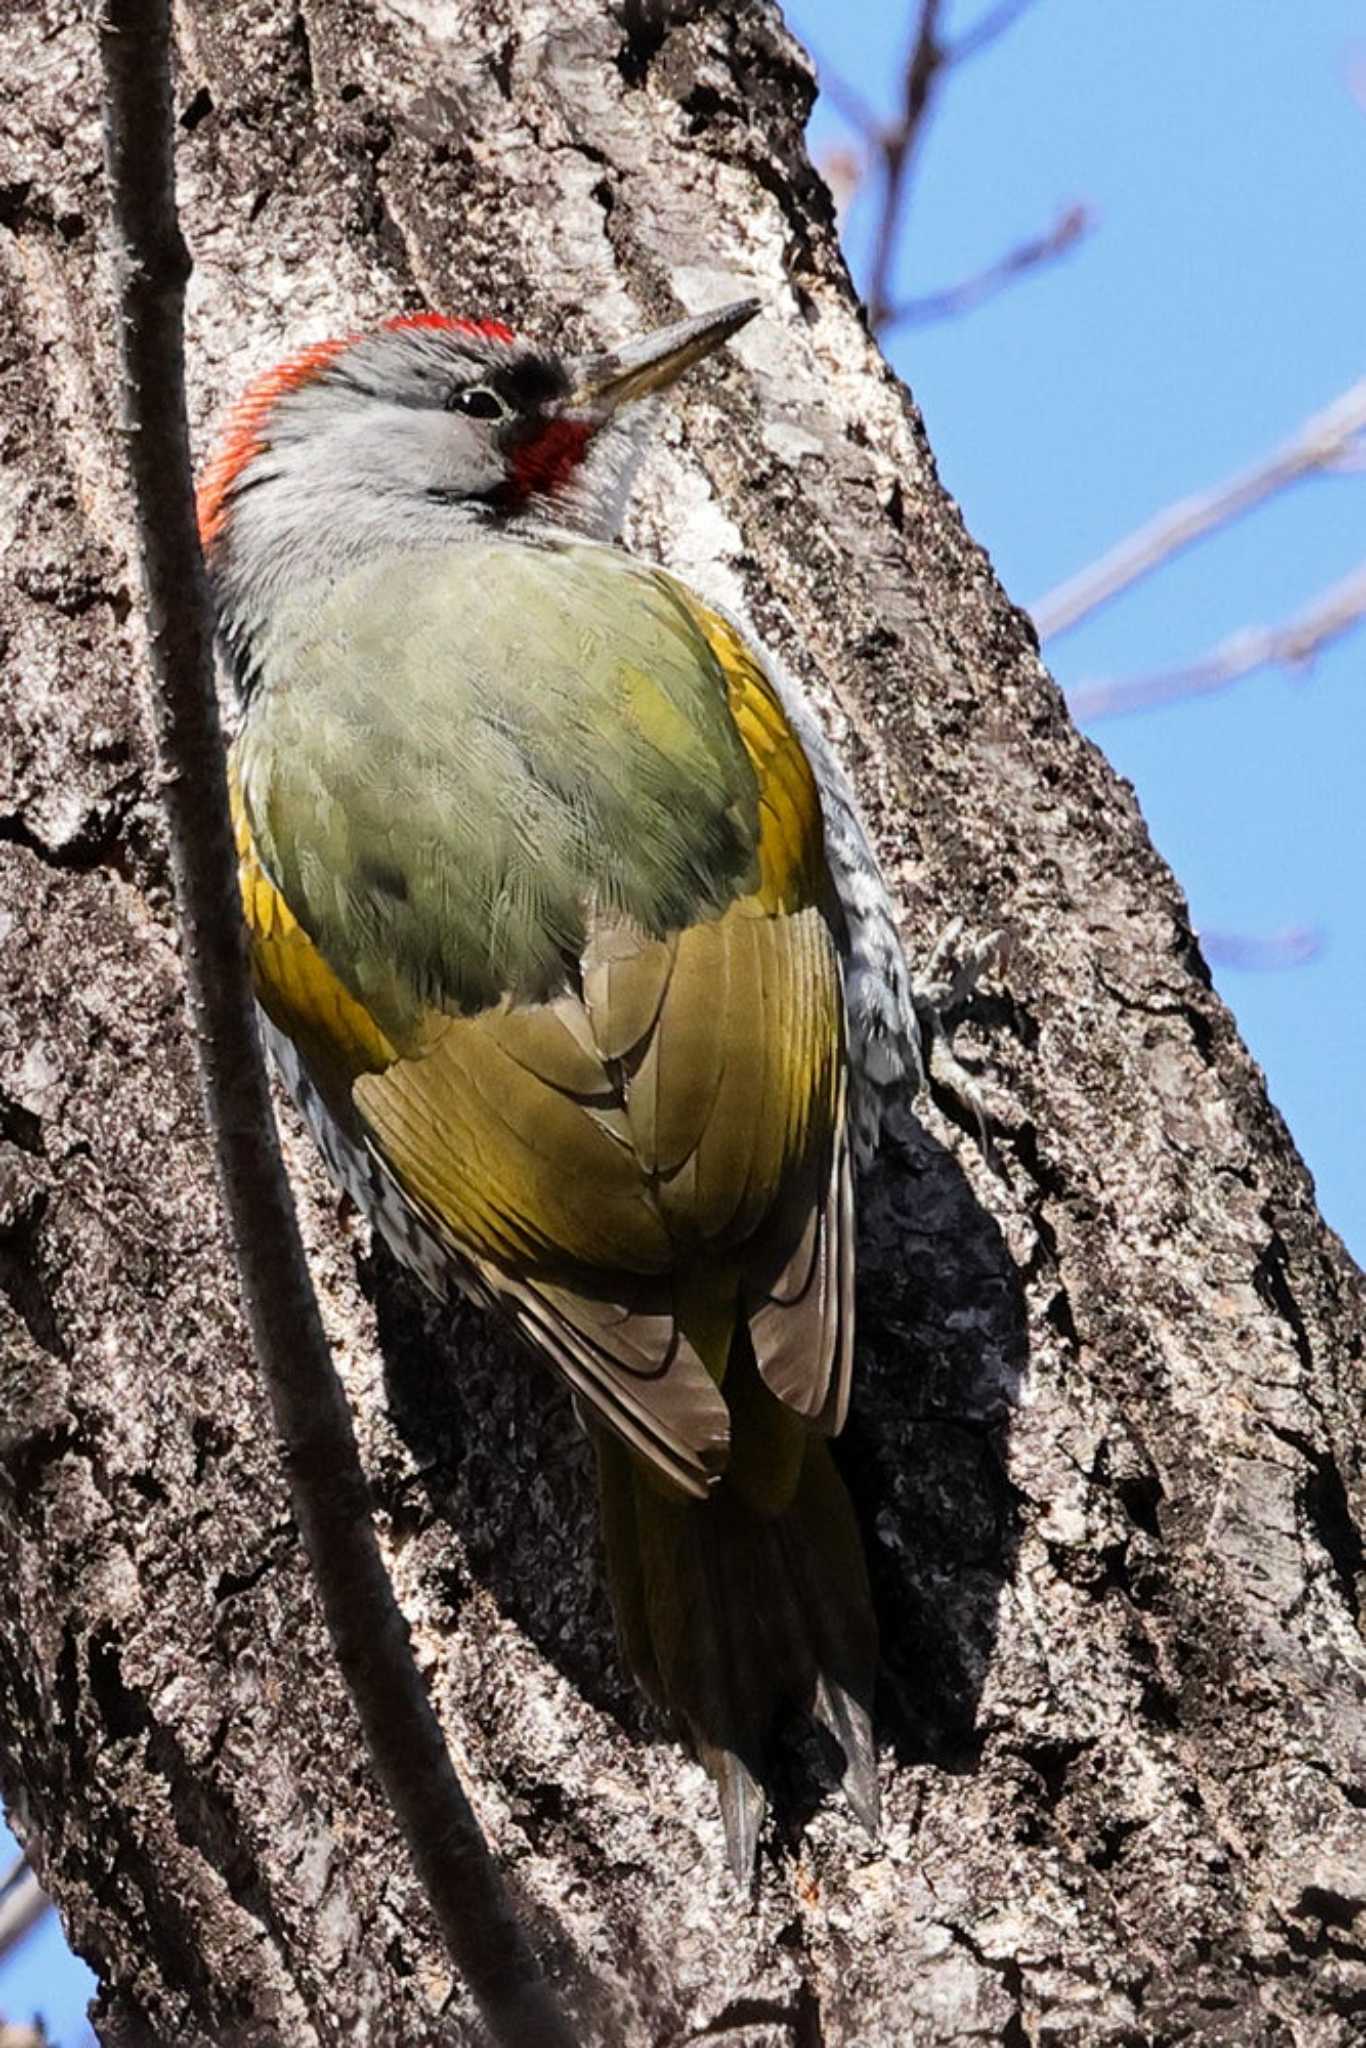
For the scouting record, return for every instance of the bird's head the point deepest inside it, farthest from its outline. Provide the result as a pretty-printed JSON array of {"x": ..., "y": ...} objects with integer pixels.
[{"x": 427, "y": 430}]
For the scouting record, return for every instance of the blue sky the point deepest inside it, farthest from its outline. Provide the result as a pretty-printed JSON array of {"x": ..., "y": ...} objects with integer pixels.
[
  {"x": 1219, "y": 301},
  {"x": 42, "y": 1976}
]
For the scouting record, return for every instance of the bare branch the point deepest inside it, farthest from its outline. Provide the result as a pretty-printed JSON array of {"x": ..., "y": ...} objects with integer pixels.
[
  {"x": 1293, "y": 645},
  {"x": 1066, "y": 231},
  {"x": 895, "y": 145},
  {"x": 1356, "y": 78},
  {"x": 1320, "y": 444},
  {"x": 923, "y": 66},
  {"x": 856, "y": 110},
  {"x": 22, "y": 1902},
  {"x": 1297, "y": 946},
  {"x": 327, "y": 1486},
  {"x": 988, "y": 29},
  {"x": 860, "y": 112}
]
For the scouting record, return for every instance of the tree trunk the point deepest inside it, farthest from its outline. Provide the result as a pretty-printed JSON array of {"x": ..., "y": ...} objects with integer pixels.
[{"x": 1107, "y": 1441}]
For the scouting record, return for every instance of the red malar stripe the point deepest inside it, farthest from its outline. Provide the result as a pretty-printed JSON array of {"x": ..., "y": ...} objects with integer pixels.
[{"x": 548, "y": 461}]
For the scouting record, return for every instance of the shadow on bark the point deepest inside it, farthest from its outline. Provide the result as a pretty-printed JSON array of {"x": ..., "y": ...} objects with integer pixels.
[
  {"x": 942, "y": 1354},
  {"x": 943, "y": 1358}
]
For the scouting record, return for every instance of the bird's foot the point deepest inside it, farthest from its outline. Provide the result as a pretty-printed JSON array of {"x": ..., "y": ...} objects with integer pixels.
[{"x": 939, "y": 989}]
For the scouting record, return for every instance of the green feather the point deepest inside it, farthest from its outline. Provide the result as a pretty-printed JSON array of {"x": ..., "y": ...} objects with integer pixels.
[{"x": 451, "y": 759}]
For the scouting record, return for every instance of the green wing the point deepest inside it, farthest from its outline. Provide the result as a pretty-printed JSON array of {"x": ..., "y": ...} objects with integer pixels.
[{"x": 539, "y": 820}]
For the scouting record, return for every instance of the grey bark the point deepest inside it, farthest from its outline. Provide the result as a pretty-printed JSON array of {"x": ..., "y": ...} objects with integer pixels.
[
  {"x": 329, "y": 1496},
  {"x": 1107, "y": 1441}
]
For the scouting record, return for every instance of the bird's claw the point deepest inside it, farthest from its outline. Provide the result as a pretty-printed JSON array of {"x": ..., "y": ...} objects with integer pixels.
[{"x": 948, "y": 979}]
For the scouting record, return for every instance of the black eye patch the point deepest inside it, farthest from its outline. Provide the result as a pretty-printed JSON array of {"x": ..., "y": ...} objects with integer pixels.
[
  {"x": 532, "y": 381},
  {"x": 519, "y": 388},
  {"x": 478, "y": 403}
]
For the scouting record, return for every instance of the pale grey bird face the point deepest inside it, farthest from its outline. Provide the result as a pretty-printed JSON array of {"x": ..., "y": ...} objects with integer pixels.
[
  {"x": 416, "y": 436},
  {"x": 422, "y": 415}
]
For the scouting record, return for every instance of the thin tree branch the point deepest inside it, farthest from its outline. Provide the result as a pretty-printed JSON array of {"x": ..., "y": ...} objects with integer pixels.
[
  {"x": 1293, "y": 645},
  {"x": 987, "y": 29},
  {"x": 22, "y": 1901},
  {"x": 860, "y": 113},
  {"x": 1320, "y": 444},
  {"x": 926, "y": 61},
  {"x": 857, "y": 111},
  {"x": 1066, "y": 231},
  {"x": 1299, "y": 945},
  {"x": 896, "y": 144},
  {"x": 327, "y": 1486},
  {"x": 1356, "y": 78}
]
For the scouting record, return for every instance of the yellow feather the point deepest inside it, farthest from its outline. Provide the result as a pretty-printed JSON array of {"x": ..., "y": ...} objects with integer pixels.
[
  {"x": 294, "y": 985},
  {"x": 791, "y": 842}
]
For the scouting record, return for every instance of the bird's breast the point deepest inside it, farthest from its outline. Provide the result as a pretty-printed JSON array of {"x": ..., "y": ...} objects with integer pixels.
[{"x": 457, "y": 757}]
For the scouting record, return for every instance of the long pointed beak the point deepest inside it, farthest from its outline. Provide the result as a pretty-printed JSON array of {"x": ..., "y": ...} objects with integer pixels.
[{"x": 601, "y": 384}]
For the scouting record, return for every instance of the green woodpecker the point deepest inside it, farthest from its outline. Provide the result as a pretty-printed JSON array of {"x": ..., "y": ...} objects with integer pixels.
[{"x": 572, "y": 949}]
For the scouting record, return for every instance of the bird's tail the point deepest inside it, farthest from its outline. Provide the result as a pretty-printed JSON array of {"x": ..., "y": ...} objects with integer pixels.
[{"x": 733, "y": 1609}]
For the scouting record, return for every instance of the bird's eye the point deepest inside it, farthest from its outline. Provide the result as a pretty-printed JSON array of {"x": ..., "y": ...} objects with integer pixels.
[{"x": 478, "y": 402}]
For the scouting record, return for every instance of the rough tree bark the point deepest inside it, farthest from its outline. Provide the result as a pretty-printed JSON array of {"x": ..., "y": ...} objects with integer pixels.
[{"x": 1108, "y": 1430}]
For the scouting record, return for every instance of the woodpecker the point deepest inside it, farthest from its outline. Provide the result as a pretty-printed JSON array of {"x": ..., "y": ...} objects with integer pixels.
[{"x": 572, "y": 949}]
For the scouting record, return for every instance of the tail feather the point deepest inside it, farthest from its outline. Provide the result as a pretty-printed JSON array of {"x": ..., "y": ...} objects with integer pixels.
[
  {"x": 851, "y": 1724},
  {"x": 731, "y": 1613},
  {"x": 843, "y": 1632},
  {"x": 743, "y": 1806}
]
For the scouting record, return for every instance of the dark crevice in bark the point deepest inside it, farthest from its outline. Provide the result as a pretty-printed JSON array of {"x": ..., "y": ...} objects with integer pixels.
[
  {"x": 301, "y": 46},
  {"x": 231, "y": 1585},
  {"x": 196, "y": 110},
  {"x": 1051, "y": 1762},
  {"x": 1140, "y": 1494},
  {"x": 20, "y": 1126},
  {"x": 25, "y": 1459},
  {"x": 1323, "y": 1498},
  {"x": 1204, "y": 1032},
  {"x": 1011, "y": 1977},
  {"x": 205, "y": 1820},
  {"x": 100, "y": 841},
  {"x": 124, "y": 1711},
  {"x": 758, "y": 2012},
  {"x": 23, "y": 1269},
  {"x": 500, "y": 63},
  {"x": 646, "y": 24},
  {"x": 1270, "y": 1280},
  {"x": 14, "y": 199},
  {"x": 210, "y": 1823}
]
